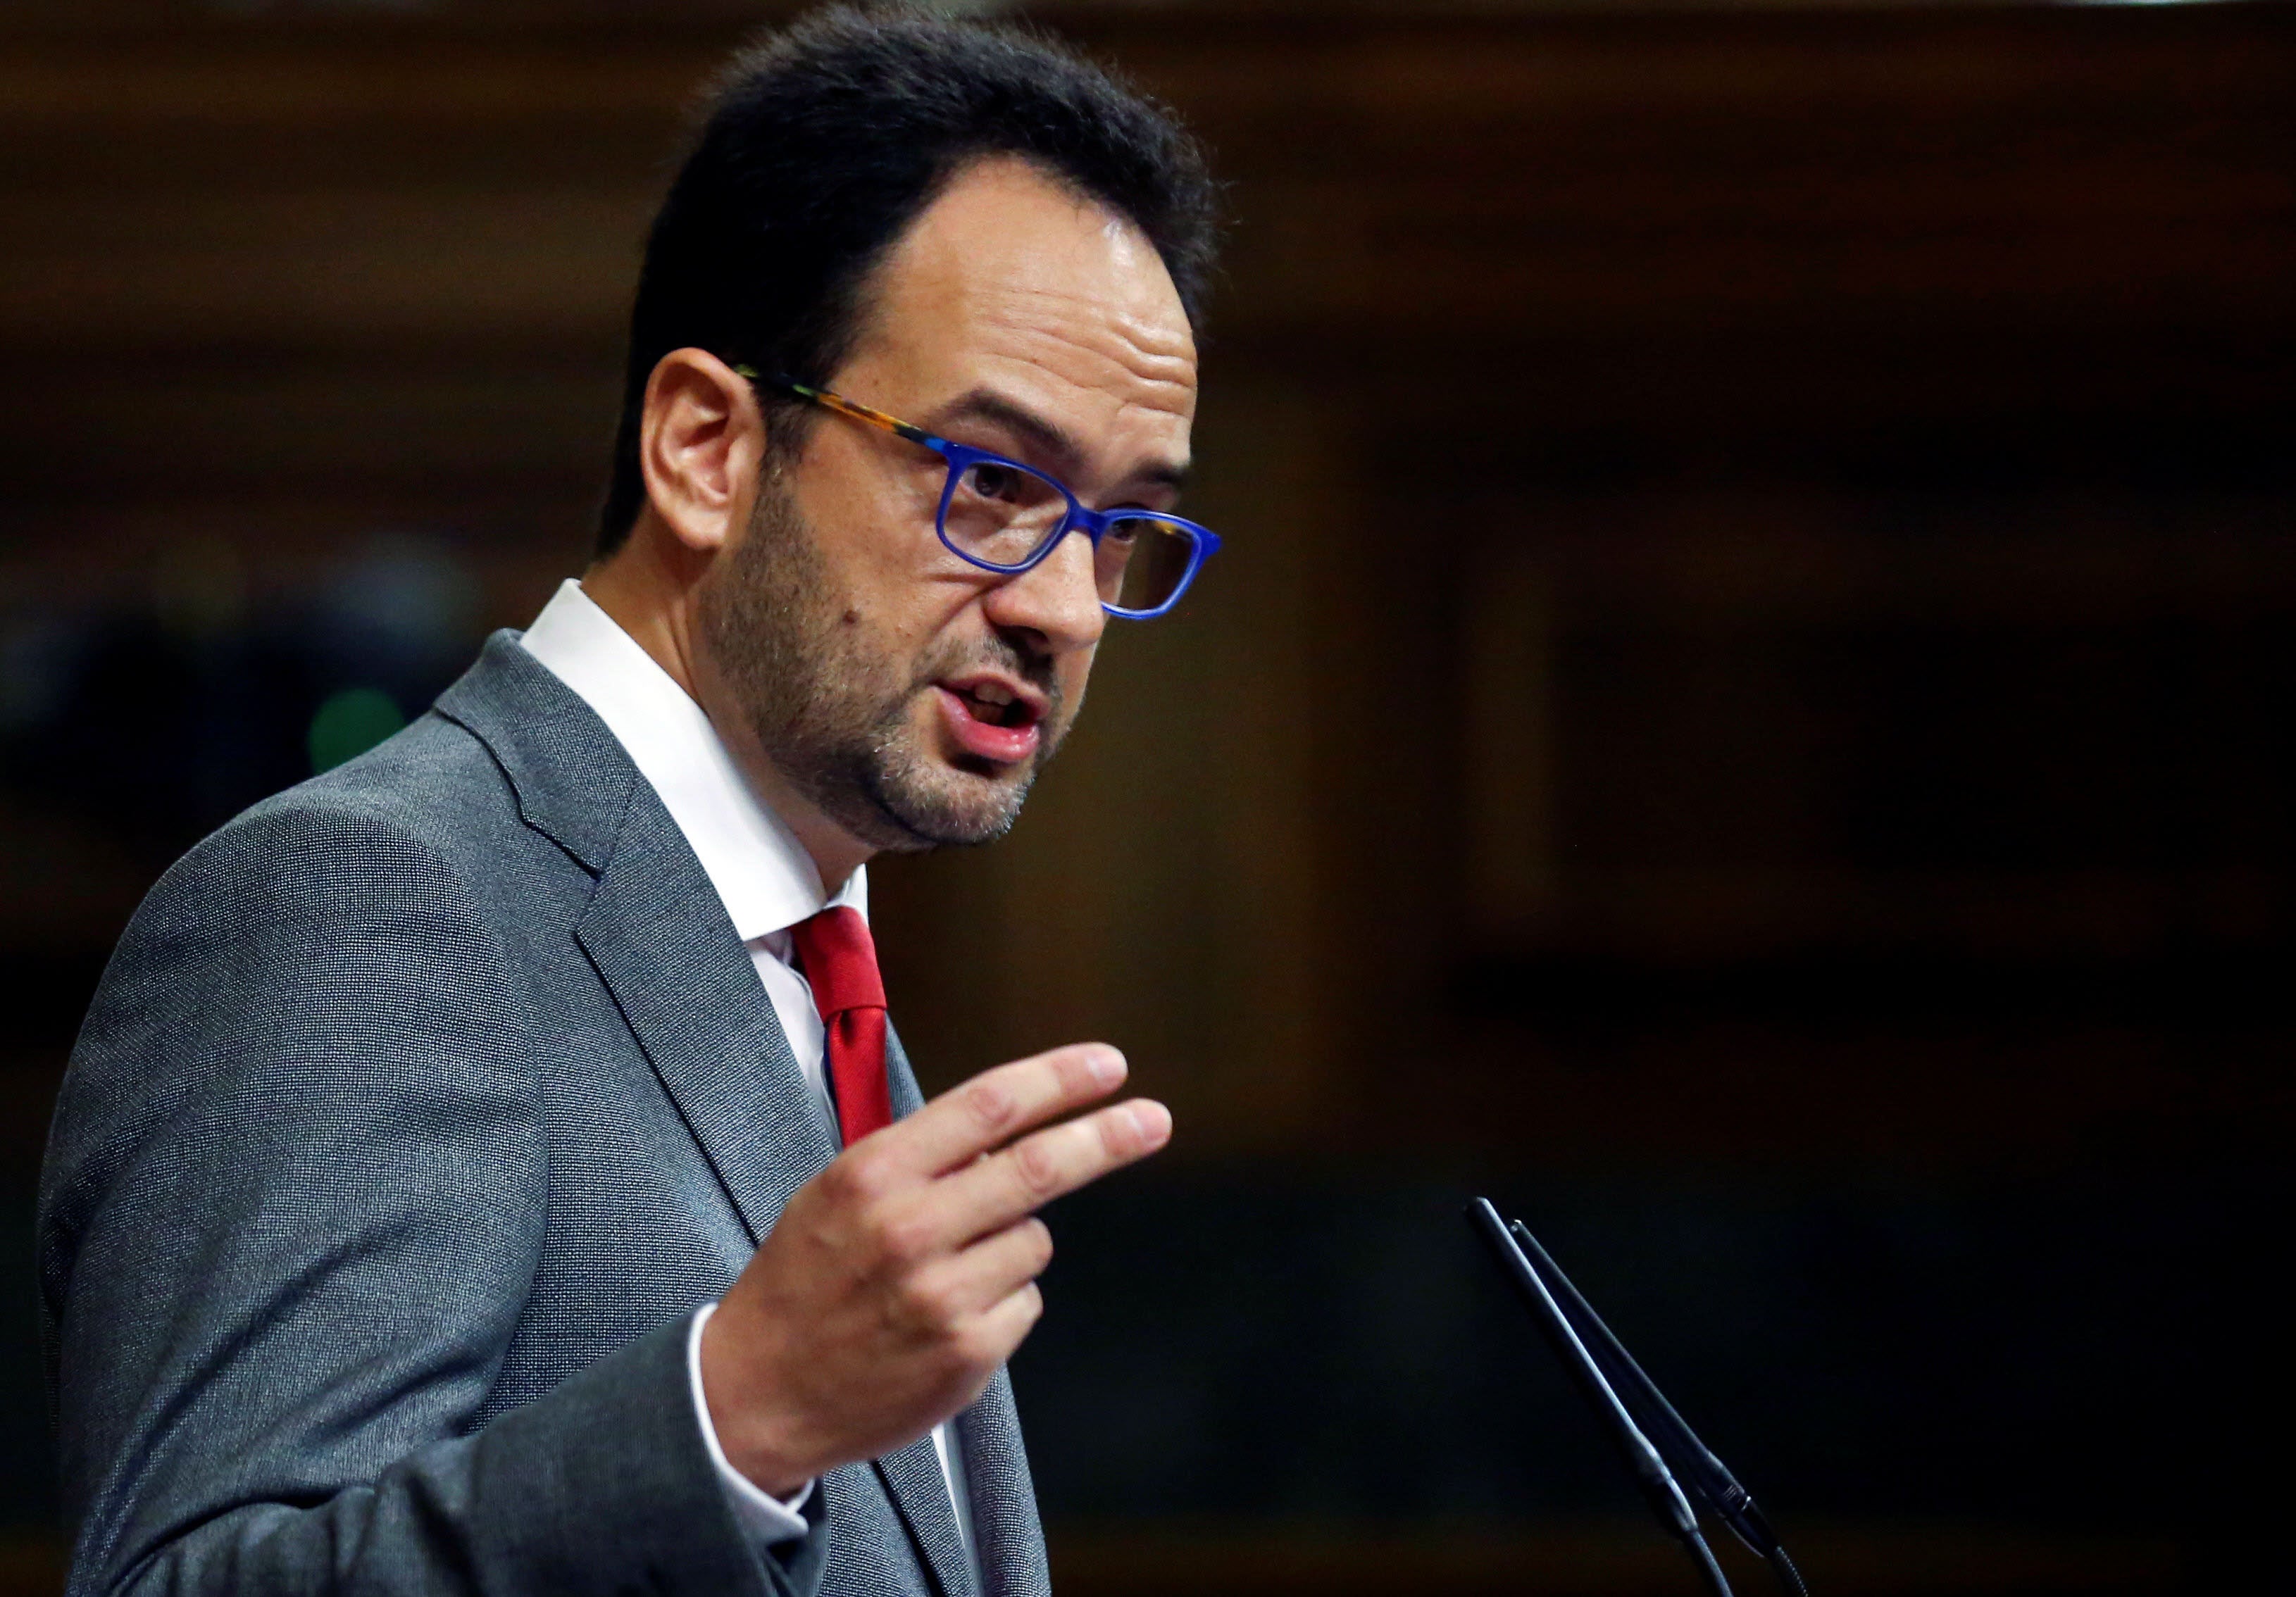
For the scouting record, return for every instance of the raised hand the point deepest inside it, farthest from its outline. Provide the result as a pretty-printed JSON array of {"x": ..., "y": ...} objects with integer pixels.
[{"x": 898, "y": 1279}]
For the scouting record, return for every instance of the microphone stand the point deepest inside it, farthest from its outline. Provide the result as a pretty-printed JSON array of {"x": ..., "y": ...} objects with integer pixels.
[
  {"x": 1648, "y": 1431},
  {"x": 1650, "y": 1472},
  {"x": 1709, "y": 1480}
]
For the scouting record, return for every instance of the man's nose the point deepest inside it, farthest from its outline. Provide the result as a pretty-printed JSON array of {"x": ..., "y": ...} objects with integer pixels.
[{"x": 1057, "y": 598}]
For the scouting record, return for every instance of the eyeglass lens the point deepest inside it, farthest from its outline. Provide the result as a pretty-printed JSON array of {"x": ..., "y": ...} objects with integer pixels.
[
  {"x": 1001, "y": 514},
  {"x": 1151, "y": 558}
]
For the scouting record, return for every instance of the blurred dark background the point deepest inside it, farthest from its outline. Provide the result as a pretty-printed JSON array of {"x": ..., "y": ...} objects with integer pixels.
[{"x": 1748, "y": 713}]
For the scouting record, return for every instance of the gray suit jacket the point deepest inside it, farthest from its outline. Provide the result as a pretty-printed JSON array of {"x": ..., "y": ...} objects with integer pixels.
[{"x": 418, "y": 1109}]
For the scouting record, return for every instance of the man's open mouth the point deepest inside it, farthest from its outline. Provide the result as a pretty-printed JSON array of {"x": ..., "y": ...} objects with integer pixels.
[
  {"x": 993, "y": 704},
  {"x": 994, "y": 718}
]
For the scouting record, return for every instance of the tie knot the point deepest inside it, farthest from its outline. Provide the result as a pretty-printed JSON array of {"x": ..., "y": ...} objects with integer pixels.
[{"x": 839, "y": 958}]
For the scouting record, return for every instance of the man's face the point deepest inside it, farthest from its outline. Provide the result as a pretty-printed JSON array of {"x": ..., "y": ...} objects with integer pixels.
[{"x": 909, "y": 695}]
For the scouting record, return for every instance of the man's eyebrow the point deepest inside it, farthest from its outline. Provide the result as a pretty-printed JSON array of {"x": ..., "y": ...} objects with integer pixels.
[{"x": 984, "y": 405}]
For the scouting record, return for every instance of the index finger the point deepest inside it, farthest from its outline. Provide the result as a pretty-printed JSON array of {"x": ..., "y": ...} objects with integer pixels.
[{"x": 998, "y": 1105}]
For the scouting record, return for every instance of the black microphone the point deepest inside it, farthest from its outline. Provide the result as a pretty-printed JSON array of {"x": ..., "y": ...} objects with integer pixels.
[
  {"x": 1676, "y": 1442},
  {"x": 1650, "y": 1470}
]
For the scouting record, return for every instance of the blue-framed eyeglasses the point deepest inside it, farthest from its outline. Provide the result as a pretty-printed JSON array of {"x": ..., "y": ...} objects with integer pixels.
[{"x": 1006, "y": 517}]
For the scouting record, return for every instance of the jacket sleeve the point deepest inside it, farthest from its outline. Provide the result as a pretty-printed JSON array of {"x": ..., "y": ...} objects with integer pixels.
[{"x": 292, "y": 1208}]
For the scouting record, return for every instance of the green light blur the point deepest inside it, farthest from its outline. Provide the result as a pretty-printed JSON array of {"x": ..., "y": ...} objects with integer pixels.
[{"x": 351, "y": 723}]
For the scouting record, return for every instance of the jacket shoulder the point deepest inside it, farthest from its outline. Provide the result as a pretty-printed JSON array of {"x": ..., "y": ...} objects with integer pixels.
[
  {"x": 338, "y": 950},
  {"x": 434, "y": 784}
]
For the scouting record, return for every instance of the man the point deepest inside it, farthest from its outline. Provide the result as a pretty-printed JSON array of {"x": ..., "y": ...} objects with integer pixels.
[{"x": 446, "y": 1192}]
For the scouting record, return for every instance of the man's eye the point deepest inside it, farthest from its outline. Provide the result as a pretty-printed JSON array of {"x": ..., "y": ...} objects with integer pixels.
[{"x": 992, "y": 481}]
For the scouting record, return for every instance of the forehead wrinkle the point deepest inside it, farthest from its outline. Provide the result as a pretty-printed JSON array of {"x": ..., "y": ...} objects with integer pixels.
[
  {"x": 1115, "y": 366},
  {"x": 1110, "y": 386},
  {"x": 1148, "y": 318},
  {"x": 1144, "y": 348}
]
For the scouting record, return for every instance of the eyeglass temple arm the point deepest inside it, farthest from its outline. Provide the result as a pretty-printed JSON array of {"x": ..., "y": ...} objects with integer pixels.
[{"x": 840, "y": 404}]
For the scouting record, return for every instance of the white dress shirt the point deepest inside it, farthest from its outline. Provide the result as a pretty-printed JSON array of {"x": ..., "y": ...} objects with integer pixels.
[{"x": 761, "y": 873}]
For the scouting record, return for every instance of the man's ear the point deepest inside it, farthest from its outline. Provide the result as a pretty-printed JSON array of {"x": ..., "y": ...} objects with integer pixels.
[{"x": 701, "y": 440}]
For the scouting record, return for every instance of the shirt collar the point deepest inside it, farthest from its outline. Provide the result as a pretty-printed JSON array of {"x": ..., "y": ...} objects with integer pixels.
[{"x": 763, "y": 874}]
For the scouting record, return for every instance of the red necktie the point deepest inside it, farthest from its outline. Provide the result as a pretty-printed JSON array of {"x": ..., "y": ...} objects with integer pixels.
[{"x": 839, "y": 962}]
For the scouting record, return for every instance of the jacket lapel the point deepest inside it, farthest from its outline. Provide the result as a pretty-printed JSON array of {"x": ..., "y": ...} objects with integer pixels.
[
  {"x": 570, "y": 778},
  {"x": 913, "y": 1476},
  {"x": 654, "y": 930},
  {"x": 1009, "y": 1541},
  {"x": 1008, "y": 1550},
  {"x": 920, "y": 1491},
  {"x": 658, "y": 937}
]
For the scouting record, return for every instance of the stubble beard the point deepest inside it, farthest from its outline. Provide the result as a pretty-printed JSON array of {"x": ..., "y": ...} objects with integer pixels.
[{"x": 830, "y": 710}]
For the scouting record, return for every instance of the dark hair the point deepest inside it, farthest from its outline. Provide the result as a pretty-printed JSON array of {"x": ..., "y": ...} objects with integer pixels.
[{"x": 820, "y": 145}]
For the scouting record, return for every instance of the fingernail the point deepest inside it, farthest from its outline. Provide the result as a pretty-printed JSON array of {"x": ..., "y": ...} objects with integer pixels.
[
  {"x": 1152, "y": 1121},
  {"x": 1107, "y": 1066}
]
